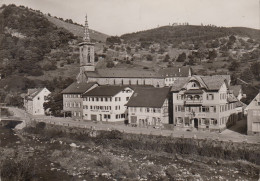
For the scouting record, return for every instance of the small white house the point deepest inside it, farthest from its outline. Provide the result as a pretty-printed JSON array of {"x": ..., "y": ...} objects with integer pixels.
[
  {"x": 33, "y": 101},
  {"x": 106, "y": 103}
]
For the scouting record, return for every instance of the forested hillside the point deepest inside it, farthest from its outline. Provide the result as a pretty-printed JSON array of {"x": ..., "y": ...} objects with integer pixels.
[
  {"x": 187, "y": 33},
  {"x": 26, "y": 37}
]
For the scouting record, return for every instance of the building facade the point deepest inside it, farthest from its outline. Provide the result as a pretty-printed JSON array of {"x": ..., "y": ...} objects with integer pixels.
[
  {"x": 253, "y": 116},
  {"x": 34, "y": 100},
  {"x": 204, "y": 103},
  {"x": 72, "y": 98},
  {"x": 106, "y": 103},
  {"x": 149, "y": 107}
]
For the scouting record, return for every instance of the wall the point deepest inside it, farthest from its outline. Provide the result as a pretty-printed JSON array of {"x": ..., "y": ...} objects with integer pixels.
[
  {"x": 73, "y": 103},
  {"x": 253, "y": 122}
]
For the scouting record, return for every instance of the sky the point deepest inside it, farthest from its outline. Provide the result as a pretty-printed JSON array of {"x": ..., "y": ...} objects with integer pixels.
[{"x": 117, "y": 17}]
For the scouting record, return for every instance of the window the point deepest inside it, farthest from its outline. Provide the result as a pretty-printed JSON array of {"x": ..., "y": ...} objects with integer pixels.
[
  {"x": 141, "y": 109},
  {"x": 127, "y": 98},
  {"x": 147, "y": 110},
  {"x": 38, "y": 98},
  {"x": 210, "y": 96},
  {"x": 101, "y": 99}
]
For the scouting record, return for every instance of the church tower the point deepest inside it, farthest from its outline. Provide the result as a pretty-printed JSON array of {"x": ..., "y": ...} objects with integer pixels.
[{"x": 86, "y": 55}]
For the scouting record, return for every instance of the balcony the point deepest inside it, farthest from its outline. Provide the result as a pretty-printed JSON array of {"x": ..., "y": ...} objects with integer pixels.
[
  {"x": 193, "y": 101},
  {"x": 193, "y": 97}
]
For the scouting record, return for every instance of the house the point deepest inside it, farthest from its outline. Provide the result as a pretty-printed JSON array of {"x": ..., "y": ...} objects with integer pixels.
[
  {"x": 149, "y": 107},
  {"x": 204, "y": 103},
  {"x": 72, "y": 98},
  {"x": 106, "y": 103},
  {"x": 34, "y": 100},
  {"x": 253, "y": 116},
  {"x": 237, "y": 91}
]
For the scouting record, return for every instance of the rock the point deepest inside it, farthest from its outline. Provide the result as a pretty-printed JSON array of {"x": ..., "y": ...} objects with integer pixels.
[{"x": 73, "y": 145}]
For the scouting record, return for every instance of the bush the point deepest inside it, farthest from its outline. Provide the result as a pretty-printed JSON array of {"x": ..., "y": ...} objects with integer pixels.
[{"x": 16, "y": 170}]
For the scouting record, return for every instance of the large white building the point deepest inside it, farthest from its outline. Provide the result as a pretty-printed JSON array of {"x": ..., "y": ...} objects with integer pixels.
[
  {"x": 106, "y": 103},
  {"x": 34, "y": 100},
  {"x": 205, "y": 102}
]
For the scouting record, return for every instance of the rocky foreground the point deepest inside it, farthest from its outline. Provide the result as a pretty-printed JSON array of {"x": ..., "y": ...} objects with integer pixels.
[{"x": 41, "y": 152}]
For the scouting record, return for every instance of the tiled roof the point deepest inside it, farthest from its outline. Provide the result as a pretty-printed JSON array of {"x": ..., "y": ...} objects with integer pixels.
[
  {"x": 149, "y": 97},
  {"x": 235, "y": 89},
  {"x": 179, "y": 83},
  {"x": 122, "y": 73},
  {"x": 213, "y": 82},
  {"x": 231, "y": 98},
  {"x": 254, "y": 103},
  {"x": 78, "y": 88},
  {"x": 139, "y": 73},
  {"x": 210, "y": 83},
  {"x": 33, "y": 93},
  {"x": 105, "y": 90},
  {"x": 174, "y": 72}
]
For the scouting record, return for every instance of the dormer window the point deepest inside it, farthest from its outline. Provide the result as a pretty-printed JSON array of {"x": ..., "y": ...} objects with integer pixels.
[
  {"x": 193, "y": 84},
  {"x": 258, "y": 103}
]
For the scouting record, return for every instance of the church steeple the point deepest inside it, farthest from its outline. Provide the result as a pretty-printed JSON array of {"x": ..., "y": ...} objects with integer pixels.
[
  {"x": 86, "y": 55},
  {"x": 86, "y": 30}
]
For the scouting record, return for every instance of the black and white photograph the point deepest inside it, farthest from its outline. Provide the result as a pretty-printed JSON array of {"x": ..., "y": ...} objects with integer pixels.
[{"x": 130, "y": 90}]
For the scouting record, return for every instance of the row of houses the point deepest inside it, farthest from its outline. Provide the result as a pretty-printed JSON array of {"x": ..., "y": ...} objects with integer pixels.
[{"x": 202, "y": 102}]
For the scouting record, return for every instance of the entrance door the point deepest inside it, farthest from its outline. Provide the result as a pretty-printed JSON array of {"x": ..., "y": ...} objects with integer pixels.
[{"x": 196, "y": 122}]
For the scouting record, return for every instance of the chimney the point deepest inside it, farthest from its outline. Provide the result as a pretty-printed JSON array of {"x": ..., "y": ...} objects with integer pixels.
[{"x": 179, "y": 69}]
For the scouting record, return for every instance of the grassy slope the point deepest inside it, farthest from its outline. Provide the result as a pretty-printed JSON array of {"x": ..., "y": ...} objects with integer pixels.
[{"x": 77, "y": 30}]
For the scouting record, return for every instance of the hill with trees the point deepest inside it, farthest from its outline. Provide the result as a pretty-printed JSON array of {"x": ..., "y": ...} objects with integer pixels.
[{"x": 76, "y": 29}]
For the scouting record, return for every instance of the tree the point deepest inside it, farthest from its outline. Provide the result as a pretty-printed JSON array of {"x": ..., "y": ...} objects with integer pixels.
[
  {"x": 233, "y": 66},
  {"x": 166, "y": 58},
  {"x": 213, "y": 54},
  {"x": 54, "y": 104},
  {"x": 255, "y": 68},
  {"x": 247, "y": 75},
  {"x": 181, "y": 57},
  {"x": 149, "y": 58},
  {"x": 110, "y": 64}
]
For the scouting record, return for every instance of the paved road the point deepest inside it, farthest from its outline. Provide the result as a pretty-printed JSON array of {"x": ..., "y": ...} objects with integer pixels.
[{"x": 227, "y": 135}]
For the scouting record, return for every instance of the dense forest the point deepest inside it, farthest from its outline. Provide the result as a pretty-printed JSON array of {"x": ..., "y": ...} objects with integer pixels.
[{"x": 26, "y": 37}]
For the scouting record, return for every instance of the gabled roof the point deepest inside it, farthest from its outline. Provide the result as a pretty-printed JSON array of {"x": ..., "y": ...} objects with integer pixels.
[
  {"x": 148, "y": 97},
  {"x": 105, "y": 90},
  {"x": 254, "y": 103},
  {"x": 179, "y": 83},
  {"x": 78, "y": 88},
  {"x": 174, "y": 72},
  {"x": 210, "y": 83},
  {"x": 235, "y": 89},
  {"x": 122, "y": 73},
  {"x": 139, "y": 73},
  {"x": 33, "y": 93},
  {"x": 231, "y": 98}
]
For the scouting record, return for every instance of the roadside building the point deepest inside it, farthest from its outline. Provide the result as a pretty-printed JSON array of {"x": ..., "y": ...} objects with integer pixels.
[
  {"x": 72, "y": 98},
  {"x": 106, "y": 103},
  {"x": 34, "y": 100},
  {"x": 204, "y": 103},
  {"x": 149, "y": 107},
  {"x": 253, "y": 116}
]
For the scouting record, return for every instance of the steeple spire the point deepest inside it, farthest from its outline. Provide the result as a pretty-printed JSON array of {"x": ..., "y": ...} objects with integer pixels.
[{"x": 86, "y": 31}]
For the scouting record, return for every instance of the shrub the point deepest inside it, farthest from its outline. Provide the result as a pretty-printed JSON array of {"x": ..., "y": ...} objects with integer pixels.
[{"x": 16, "y": 170}]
